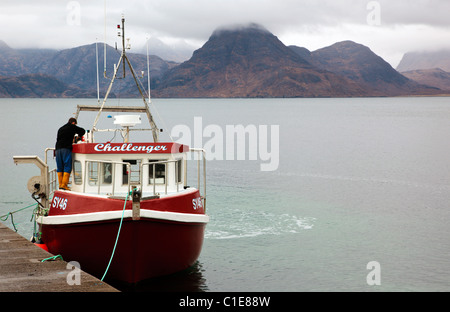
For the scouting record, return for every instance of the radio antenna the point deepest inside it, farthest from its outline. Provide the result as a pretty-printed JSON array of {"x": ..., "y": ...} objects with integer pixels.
[
  {"x": 148, "y": 74},
  {"x": 104, "y": 56},
  {"x": 96, "y": 63}
]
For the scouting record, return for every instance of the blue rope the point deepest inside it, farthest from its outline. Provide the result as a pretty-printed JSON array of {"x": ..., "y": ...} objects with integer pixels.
[{"x": 117, "y": 238}]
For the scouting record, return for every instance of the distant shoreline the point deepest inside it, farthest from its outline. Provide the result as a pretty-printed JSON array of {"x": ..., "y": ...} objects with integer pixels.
[{"x": 299, "y": 97}]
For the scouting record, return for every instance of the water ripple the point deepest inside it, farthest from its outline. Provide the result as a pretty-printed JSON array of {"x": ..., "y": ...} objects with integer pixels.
[{"x": 239, "y": 224}]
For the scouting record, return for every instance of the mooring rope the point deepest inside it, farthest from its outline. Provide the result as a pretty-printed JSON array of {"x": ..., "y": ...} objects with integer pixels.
[
  {"x": 10, "y": 214},
  {"x": 53, "y": 258},
  {"x": 117, "y": 237}
]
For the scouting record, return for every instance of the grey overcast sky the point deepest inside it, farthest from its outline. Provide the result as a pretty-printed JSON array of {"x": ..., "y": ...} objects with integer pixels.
[{"x": 390, "y": 28}]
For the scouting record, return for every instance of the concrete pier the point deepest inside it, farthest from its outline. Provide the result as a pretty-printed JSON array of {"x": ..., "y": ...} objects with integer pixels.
[{"x": 21, "y": 269}]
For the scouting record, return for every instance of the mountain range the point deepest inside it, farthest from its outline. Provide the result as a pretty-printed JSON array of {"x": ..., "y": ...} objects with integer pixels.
[
  {"x": 427, "y": 67},
  {"x": 72, "y": 70},
  {"x": 245, "y": 61},
  {"x": 251, "y": 62}
]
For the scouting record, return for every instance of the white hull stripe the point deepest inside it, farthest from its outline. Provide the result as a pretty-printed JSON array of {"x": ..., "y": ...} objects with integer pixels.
[{"x": 111, "y": 215}]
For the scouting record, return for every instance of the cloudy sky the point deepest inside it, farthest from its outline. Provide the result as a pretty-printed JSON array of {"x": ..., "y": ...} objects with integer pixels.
[{"x": 389, "y": 28}]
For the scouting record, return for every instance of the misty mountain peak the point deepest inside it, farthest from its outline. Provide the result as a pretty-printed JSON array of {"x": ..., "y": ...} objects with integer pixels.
[
  {"x": 234, "y": 28},
  {"x": 3, "y": 45},
  {"x": 425, "y": 60},
  {"x": 244, "y": 45}
]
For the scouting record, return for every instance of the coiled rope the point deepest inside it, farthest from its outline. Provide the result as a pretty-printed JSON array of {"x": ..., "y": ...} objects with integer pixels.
[{"x": 117, "y": 237}]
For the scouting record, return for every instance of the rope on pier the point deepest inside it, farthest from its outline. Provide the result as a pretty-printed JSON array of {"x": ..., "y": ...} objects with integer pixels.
[{"x": 53, "y": 258}]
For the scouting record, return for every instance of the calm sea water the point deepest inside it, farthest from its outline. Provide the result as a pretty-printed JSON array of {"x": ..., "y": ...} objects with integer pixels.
[{"x": 359, "y": 180}]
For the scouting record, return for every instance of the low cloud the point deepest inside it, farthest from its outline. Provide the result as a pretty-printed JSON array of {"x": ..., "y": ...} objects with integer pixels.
[{"x": 402, "y": 24}]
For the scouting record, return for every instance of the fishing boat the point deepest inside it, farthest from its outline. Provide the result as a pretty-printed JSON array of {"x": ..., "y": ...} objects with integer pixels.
[{"x": 130, "y": 214}]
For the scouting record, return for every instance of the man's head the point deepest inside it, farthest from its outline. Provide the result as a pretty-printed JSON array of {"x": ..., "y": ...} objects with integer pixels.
[{"x": 72, "y": 121}]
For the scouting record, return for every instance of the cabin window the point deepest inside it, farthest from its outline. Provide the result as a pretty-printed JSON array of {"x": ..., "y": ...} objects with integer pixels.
[
  {"x": 157, "y": 172},
  {"x": 134, "y": 175},
  {"x": 93, "y": 172},
  {"x": 105, "y": 173},
  {"x": 77, "y": 173},
  {"x": 179, "y": 169}
]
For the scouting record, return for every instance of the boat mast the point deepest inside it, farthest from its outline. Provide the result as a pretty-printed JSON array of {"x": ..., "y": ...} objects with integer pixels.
[
  {"x": 124, "y": 59},
  {"x": 123, "y": 44}
]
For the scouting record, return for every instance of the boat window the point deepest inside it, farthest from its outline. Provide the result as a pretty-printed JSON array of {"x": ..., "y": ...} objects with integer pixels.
[
  {"x": 159, "y": 172},
  {"x": 92, "y": 173},
  {"x": 179, "y": 169},
  {"x": 135, "y": 171},
  {"x": 77, "y": 173},
  {"x": 106, "y": 173}
]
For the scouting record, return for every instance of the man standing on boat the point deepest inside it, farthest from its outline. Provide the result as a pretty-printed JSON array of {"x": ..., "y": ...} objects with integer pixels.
[{"x": 63, "y": 151}]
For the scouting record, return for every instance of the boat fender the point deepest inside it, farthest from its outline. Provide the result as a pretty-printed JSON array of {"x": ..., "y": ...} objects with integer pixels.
[
  {"x": 43, "y": 246},
  {"x": 38, "y": 242}
]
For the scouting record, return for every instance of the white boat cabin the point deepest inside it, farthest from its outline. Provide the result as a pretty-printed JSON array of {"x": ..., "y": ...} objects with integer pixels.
[{"x": 113, "y": 168}]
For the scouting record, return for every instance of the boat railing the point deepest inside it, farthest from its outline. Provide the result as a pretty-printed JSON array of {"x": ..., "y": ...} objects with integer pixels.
[
  {"x": 52, "y": 182},
  {"x": 46, "y": 153},
  {"x": 88, "y": 174},
  {"x": 43, "y": 186},
  {"x": 201, "y": 174},
  {"x": 52, "y": 175},
  {"x": 201, "y": 171}
]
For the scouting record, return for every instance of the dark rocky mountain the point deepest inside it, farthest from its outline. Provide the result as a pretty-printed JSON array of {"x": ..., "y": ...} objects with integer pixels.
[
  {"x": 76, "y": 67},
  {"x": 15, "y": 62},
  {"x": 251, "y": 62},
  {"x": 435, "y": 77},
  {"x": 358, "y": 63},
  {"x": 38, "y": 85},
  {"x": 245, "y": 61},
  {"x": 303, "y": 52}
]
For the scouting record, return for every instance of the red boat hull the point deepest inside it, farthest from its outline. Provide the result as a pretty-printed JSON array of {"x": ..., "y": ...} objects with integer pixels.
[{"x": 159, "y": 243}]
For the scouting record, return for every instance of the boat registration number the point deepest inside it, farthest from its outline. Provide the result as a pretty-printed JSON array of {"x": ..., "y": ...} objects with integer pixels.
[
  {"x": 59, "y": 202},
  {"x": 197, "y": 203}
]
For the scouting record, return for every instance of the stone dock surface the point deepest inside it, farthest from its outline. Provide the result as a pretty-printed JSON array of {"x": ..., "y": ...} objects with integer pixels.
[{"x": 22, "y": 269}]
